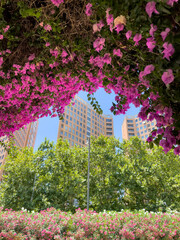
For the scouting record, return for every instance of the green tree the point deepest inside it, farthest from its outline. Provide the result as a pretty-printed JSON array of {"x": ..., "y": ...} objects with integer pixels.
[
  {"x": 122, "y": 175},
  {"x": 150, "y": 177}
]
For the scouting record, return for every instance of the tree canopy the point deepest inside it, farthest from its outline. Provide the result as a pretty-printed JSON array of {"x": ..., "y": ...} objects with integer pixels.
[
  {"x": 52, "y": 49},
  {"x": 122, "y": 176}
]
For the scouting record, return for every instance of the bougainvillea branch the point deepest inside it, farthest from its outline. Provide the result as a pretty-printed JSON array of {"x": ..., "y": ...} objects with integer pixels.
[{"x": 52, "y": 49}]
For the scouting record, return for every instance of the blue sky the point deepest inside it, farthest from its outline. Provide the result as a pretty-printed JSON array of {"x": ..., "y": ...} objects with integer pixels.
[{"x": 48, "y": 127}]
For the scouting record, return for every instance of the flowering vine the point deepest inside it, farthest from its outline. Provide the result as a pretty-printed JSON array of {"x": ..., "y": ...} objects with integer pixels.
[{"x": 50, "y": 51}]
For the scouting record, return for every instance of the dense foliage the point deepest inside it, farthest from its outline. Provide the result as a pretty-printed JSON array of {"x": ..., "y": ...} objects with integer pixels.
[
  {"x": 122, "y": 176},
  {"x": 53, "y": 224},
  {"x": 52, "y": 49}
]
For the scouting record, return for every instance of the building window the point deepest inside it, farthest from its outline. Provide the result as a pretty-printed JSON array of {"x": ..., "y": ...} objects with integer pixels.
[
  {"x": 76, "y": 133},
  {"x": 129, "y": 121},
  {"x": 72, "y": 136},
  {"x": 65, "y": 134},
  {"x": 69, "y": 129},
  {"x": 66, "y": 122},
  {"x": 130, "y": 125},
  {"x": 131, "y": 130},
  {"x": 141, "y": 127},
  {"x": 66, "y": 128},
  {"x": 146, "y": 136},
  {"x": 152, "y": 124},
  {"x": 69, "y": 135},
  {"x": 131, "y": 134},
  {"x": 77, "y": 128},
  {"x": 110, "y": 120}
]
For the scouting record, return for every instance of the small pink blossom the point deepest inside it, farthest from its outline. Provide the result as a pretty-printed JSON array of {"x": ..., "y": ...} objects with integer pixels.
[
  {"x": 171, "y": 2},
  {"x": 1, "y": 36},
  {"x": 150, "y": 8},
  {"x": 47, "y": 44},
  {"x": 6, "y": 28},
  {"x": 168, "y": 50},
  {"x": 41, "y": 24},
  {"x": 177, "y": 150},
  {"x": 88, "y": 9},
  {"x": 165, "y": 33},
  {"x": 168, "y": 76},
  {"x": 48, "y": 27},
  {"x": 64, "y": 54},
  {"x": 57, "y": 2},
  {"x": 107, "y": 58},
  {"x": 99, "y": 44},
  {"x": 97, "y": 26},
  {"x": 150, "y": 44},
  {"x": 137, "y": 38},
  {"x": 1, "y": 61},
  {"x": 31, "y": 57},
  {"x": 148, "y": 69},
  {"x": 128, "y": 34},
  {"x": 127, "y": 68},
  {"x": 119, "y": 28},
  {"x": 118, "y": 53},
  {"x": 109, "y": 19},
  {"x": 152, "y": 30}
]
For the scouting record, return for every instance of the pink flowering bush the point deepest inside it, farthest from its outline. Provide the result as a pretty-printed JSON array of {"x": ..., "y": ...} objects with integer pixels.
[
  {"x": 52, "y": 49},
  {"x": 55, "y": 224}
]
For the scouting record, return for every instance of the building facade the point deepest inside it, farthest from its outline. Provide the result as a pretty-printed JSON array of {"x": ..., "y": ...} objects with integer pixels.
[
  {"x": 134, "y": 126},
  {"x": 81, "y": 121},
  {"x": 24, "y": 137}
]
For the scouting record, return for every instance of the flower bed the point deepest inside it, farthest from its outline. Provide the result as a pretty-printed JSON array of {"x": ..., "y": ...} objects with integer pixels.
[{"x": 54, "y": 224}]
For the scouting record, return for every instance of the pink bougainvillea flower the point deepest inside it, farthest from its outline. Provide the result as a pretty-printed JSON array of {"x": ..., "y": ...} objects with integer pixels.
[
  {"x": 64, "y": 54},
  {"x": 107, "y": 58},
  {"x": 128, "y": 34},
  {"x": 31, "y": 57},
  {"x": 150, "y": 8},
  {"x": 149, "y": 139},
  {"x": 119, "y": 28},
  {"x": 48, "y": 27},
  {"x": 1, "y": 61},
  {"x": 165, "y": 33},
  {"x": 41, "y": 24},
  {"x": 109, "y": 19},
  {"x": 118, "y": 53},
  {"x": 137, "y": 38},
  {"x": 88, "y": 9},
  {"x": 57, "y": 2},
  {"x": 148, "y": 69},
  {"x": 127, "y": 68},
  {"x": 47, "y": 44},
  {"x": 97, "y": 26},
  {"x": 6, "y": 28},
  {"x": 171, "y": 2},
  {"x": 99, "y": 44},
  {"x": 168, "y": 76},
  {"x": 152, "y": 30},
  {"x": 168, "y": 50},
  {"x": 150, "y": 43},
  {"x": 177, "y": 150},
  {"x": 1, "y": 37}
]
